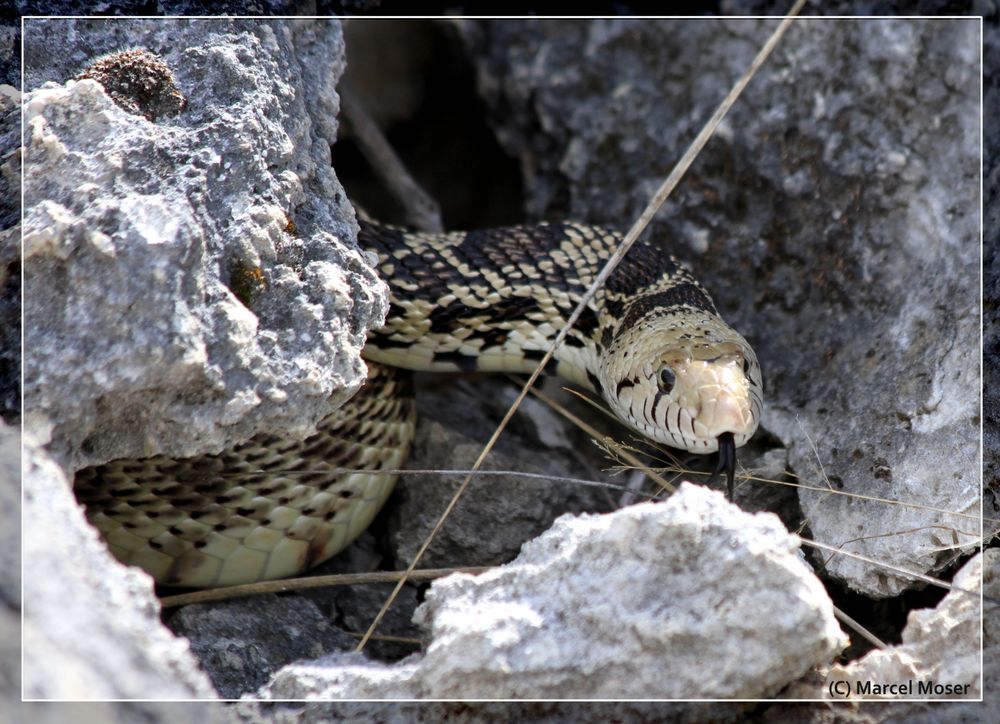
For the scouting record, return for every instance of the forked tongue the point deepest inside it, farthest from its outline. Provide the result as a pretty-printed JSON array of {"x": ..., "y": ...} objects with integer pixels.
[{"x": 727, "y": 463}]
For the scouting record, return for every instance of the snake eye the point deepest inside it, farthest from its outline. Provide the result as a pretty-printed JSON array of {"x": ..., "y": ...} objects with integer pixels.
[
  {"x": 746, "y": 366},
  {"x": 666, "y": 380}
]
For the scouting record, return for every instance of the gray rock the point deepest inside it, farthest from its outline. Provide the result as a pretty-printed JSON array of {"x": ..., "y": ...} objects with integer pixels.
[
  {"x": 496, "y": 712},
  {"x": 834, "y": 217},
  {"x": 345, "y": 676},
  {"x": 10, "y": 52},
  {"x": 991, "y": 278},
  {"x": 10, "y": 563},
  {"x": 497, "y": 513},
  {"x": 642, "y": 602},
  {"x": 10, "y": 253},
  {"x": 196, "y": 8},
  {"x": 10, "y": 505},
  {"x": 151, "y": 669},
  {"x": 760, "y": 202},
  {"x": 128, "y": 712},
  {"x": 239, "y": 652},
  {"x": 397, "y": 636},
  {"x": 91, "y": 626},
  {"x": 144, "y": 247},
  {"x": 193, "y": 281},
  {"x": 940, "y": 646}
]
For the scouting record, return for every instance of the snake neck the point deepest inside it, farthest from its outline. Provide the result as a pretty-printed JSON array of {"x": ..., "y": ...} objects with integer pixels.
[
  {"x": 491, "y": 300},
  {"x": 494, "y": 301}
]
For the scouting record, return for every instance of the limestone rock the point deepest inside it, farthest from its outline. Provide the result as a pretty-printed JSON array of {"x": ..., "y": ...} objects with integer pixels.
[
  {"x": 191, "y": 281},
  {"x": 239, "y": 654},
  {"x": 91, "y": 626},
  {"x": 940, "y": 646},
  {"x": 10, "y": 252},
  {"x": 940, "y": 649},
  {"x": 689, "y": 598}
]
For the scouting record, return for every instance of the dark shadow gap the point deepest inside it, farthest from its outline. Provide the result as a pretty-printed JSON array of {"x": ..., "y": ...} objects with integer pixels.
[{"x": 414, "y": 78}]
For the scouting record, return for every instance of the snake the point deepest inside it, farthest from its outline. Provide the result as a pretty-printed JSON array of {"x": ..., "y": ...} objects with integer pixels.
[{"x": 650, "y": 342}]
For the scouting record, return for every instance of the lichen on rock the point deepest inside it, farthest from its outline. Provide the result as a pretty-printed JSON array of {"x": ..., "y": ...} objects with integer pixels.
[{"x": 138, "y": 81}]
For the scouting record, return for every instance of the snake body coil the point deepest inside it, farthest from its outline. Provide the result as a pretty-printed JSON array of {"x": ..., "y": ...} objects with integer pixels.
[{"x": 650, "y": 342}]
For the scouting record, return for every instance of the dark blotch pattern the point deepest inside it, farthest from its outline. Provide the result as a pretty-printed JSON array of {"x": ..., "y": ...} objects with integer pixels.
[
  {"x": 445, "y": 320},
  {"x": 684, "y": 294},
  {"x": 641, "y": 268}
]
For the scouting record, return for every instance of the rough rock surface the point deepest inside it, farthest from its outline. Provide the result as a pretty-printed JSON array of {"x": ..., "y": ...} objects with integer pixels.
[
  {"x": 940, "y": 645},
  {"x": 195, "y": 8},
  {"x": 91, "y": 627},
  {"x": 498, "y": 513},
  {"x": 461, "y": 712},
  {"x": 10, "y": 562},
  {"x": 639, "y": 603},
  {"x": 238, "y": 655},
  {"x": 193, "y": 281},
  {"x": 144, "y": 244},
  {"x": 10, "y": 253},
  {"x": 128, "y": 712},
  {"x": 991, "y": 272},
  {"x": 353, "y": 608},
  {"x": 834, "y": 217}
]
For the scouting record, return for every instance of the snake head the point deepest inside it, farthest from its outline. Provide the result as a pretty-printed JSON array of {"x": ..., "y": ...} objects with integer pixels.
[{"x": 685, "y": 380}]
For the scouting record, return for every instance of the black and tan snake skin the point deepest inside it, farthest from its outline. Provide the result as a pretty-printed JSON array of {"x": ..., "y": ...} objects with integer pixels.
[{"x": 651, "y": 343}]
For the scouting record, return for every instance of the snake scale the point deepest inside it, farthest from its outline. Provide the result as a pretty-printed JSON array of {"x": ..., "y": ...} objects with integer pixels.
[{"x": 651, "y": 343}]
